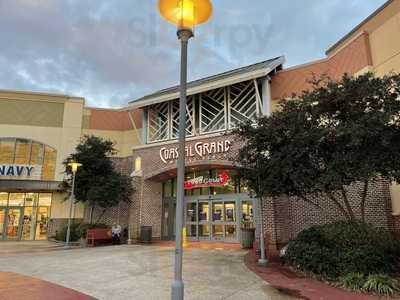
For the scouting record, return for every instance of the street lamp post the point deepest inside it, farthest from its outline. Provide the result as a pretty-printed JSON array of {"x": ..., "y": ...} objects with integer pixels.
[
  {"x": 74, "y": 167},
  {"x": 185, "y": 14}
]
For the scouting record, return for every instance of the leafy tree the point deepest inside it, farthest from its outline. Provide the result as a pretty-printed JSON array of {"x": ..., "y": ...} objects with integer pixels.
[
  {"x": 324, "y": 140},
  {"x": 97, "y": 182}
]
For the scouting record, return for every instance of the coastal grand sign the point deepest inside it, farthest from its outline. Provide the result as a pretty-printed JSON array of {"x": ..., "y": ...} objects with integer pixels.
[
  {"x": 31, "y": 172},
  {"x": 200, "y": 150}
]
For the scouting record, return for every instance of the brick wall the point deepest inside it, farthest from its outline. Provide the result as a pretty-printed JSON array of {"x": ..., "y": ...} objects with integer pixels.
[{"x": 293, "y": 215}]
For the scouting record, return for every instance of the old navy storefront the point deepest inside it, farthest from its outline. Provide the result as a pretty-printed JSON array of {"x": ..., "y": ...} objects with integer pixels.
[{"x": 26, "y": 171}]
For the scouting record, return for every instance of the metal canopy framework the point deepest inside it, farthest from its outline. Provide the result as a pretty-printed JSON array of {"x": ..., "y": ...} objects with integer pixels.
[{"x": 208, "y": 112}]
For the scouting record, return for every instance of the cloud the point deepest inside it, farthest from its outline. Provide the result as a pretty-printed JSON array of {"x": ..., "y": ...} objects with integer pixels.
[{"x": 111, "y": 52}]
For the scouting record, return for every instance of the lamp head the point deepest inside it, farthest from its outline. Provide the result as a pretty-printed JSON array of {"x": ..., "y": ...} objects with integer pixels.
[
  {"x": 74, "y": 166},
  {"x": 185, "y": 14}
]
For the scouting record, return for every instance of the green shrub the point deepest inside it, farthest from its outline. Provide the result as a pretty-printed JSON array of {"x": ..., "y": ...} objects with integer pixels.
[
  {"x": 381, "y": 284},
  {"x": 336, "y": 250},
  {"x": 352, "y": 282},
  {"x": 311, "y": 252},
  {"x": 74, "y": 235},
  {"x": 84, "y": 227},
  {"x": 366, "y": 260}
]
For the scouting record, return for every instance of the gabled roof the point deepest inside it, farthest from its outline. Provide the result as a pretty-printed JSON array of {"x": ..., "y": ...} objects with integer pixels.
[{"x": 227, "y": 78}]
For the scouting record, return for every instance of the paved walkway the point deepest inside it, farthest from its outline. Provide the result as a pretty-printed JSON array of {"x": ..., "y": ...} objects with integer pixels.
[
  {"x": 17, "y": 287},
  {"x": 144, "y": 272}
]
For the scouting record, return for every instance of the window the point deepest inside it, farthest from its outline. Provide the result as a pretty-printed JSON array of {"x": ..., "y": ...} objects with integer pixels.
[
  {"x": 158, "y": 122},
  {"x": 212, "y": 111},
  {"x": 26, "y": 152},
  {"x": 7, "y": 147},
  {"x": 244, "y": 102},
  {"x": 49, "y": 164},
  {"x": 22, "y": 152}
]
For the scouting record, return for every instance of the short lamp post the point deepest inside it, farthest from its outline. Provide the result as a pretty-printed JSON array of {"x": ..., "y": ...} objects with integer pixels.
[
  {"x": 74, "y": 167},
  {"x": 185, "y": 14}
]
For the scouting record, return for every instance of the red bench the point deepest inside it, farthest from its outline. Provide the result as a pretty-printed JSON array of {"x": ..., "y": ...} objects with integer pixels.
[{"x": 101, "y": 235}]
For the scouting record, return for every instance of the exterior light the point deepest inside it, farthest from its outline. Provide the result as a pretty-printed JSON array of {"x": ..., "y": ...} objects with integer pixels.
[
  {"x": 138, "y": 164},
  {"x": 74, "y": 167},
  {"x": 185, "y": 15}
]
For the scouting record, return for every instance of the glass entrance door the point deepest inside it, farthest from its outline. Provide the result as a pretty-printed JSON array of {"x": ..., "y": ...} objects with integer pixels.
[
  {"x": 2, "y": 223},
  {"x": 13, "y": 223},
  {"x": 212, "y": 220}
]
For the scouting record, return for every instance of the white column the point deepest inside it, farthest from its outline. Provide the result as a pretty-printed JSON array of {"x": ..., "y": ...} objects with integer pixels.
[{"x": 266, "y": 96}]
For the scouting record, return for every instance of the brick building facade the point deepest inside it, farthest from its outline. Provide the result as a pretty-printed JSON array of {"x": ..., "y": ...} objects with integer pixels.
[{"x": 215, "y": 105}]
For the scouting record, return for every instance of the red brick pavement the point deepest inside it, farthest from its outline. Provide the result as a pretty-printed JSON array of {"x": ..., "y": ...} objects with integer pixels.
[
  {"x": 18, "y": 287},
  {"x": 292, "y": 283}
]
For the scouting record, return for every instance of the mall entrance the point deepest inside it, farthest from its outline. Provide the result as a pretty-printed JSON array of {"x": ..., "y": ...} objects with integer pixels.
[{"x": 213, "y": 208}]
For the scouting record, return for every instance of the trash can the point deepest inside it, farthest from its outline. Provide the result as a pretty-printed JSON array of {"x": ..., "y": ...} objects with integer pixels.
[{"x": 146, "y": 234}]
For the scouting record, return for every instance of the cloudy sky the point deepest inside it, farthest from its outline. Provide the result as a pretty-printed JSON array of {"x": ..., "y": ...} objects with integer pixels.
[{"x": 114, "y": 51}]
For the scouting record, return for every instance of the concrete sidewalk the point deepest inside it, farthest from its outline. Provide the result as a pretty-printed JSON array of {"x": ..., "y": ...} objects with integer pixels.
[{"x": 145, "y": 272}]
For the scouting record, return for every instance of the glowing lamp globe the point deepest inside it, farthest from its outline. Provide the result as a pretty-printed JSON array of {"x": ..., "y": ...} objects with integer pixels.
[
  {"x": 74, "y": 166},
  {"x": 185, "y": 14}
]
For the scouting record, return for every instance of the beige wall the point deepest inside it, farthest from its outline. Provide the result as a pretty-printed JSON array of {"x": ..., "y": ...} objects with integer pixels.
[
  {"x": 385, "y": 46},
  {"x": 123, "y": 140},
  {"x": 60, "y": 207}
]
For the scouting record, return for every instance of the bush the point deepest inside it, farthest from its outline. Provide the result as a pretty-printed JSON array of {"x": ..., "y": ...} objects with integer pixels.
[
  {"x": 366, "y": 260},
  {"x": 84, "y": 227},
  {"x": 74, "y": 235},
  {"x": 381, "y": 284},
  {"x": 311, "y": 252},
  {"x": 352, "y": 282},
  {"x": 343, "y": 248}
]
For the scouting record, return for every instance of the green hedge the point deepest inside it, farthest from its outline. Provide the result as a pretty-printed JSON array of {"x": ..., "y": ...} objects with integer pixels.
[
  {"x": 78, "y": 231},
  {"x": 336, "y": 250}
]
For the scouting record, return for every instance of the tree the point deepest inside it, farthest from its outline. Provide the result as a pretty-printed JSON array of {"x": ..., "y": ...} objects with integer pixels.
[
  {"x": 321, "y": 142},
  {"x": 97, "y": 182}
]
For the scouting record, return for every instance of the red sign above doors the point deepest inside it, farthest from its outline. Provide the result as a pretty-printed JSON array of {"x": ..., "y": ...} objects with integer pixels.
[{"x": 202, "y": 181}]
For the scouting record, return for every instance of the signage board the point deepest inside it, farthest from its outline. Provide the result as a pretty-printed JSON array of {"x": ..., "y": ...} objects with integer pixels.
[
  {"x": 203, "y": 181},
  {"x": 199, "y": 150},
  {"x": 31, "y": 172}
]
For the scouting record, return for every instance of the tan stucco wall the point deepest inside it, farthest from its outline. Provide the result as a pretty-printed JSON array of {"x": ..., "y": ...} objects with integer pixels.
[
  {"x": 385, "y": 46},
  {"x": 123, "y": 140},
  {"x": 60, "y": 207},
  {"x": 63, "y": 139}
]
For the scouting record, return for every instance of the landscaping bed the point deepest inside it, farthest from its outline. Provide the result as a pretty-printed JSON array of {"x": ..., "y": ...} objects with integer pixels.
[{"x": 351, "y": 255}]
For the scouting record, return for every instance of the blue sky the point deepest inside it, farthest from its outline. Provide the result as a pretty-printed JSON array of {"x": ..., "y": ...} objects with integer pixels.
[{"x": 115, "y": 51}]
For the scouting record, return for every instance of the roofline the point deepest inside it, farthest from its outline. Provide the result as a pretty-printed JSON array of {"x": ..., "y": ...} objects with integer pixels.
[
  {"x": 218, "y": 82},
  {"x": 22, "y": 92},
  {"x": 355, "y": 29}
]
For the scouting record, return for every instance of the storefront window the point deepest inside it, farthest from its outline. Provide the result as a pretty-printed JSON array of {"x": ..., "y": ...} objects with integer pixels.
[
  {"x": 37, "y": 153},
  {"x": 16, "y": 199},
  {"x": 45, "y": 199},
  {"x": 3, "y": 199},
  {"x": 22, "y": 152},
  {"x": 26, "y": 215},
  {"x": 27, "y": 152},
  {"x": 247, "y": 211},
  {"x": 49, "y": 164},
  {"x": 31, "y": 199},
  {"x": 7, "y": 151}
]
